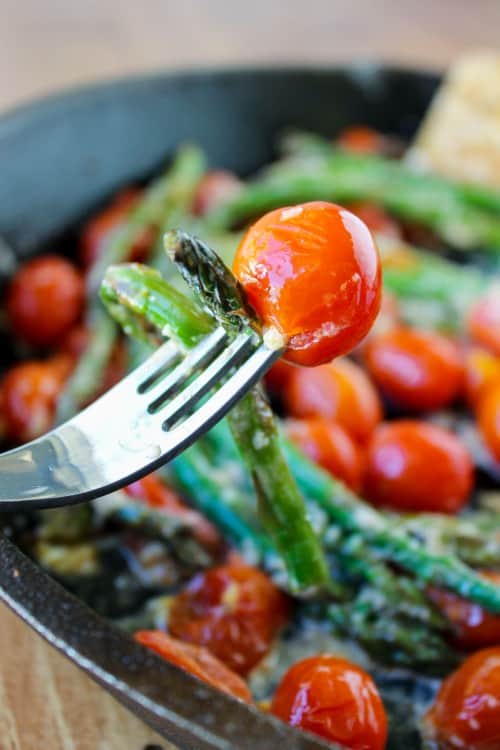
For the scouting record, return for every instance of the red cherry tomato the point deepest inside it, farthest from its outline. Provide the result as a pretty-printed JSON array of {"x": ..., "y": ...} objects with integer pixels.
[
  {"x": 152, "y": 490},
  {"x": 418, "y": 370},
  {"x": 213, "y": 190},
  {"x": 482, "y": 370},
  {"x": 196, "y": 660},
  {"x": 339, "y": 391},
  {"x": 234, "y": 610},
  {"x": 376, "y": 219},
  {"x": 417, "y": 466},
  {"x": 277, "y": 377},
  {"x": 99, "y": 229},
  {"x": 330, "y": 446},
  {"x": 474, "y": 627},
  {"x": 466, "y": 713},
  {"x": 335, "y": 699},
  {"x": 488, "y": 417},
  {"x": 483, "y": 321},
  {"x": 362, "y": 140},
  {"x": 30, "y": 392},
  {"x": 312, "y": 273},
  {"x": 45, "y": 298}
]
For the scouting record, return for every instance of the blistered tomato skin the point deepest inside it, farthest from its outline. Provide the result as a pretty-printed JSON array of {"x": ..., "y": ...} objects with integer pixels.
[
  {"x": 329, "y": 445},
  {"x": 466, "y": 714},
  {"x": 312, "y": 272},
  {"x": 340, "y": 391},
  {"x": 196, "y": 660},
  {"x": 417, "y": 466},
  {"x": 417, "y": 370},
  {"x": 473, "y": 627},
  {"x": 334, "y": 699},
  {"x": 234, "y": 610}
]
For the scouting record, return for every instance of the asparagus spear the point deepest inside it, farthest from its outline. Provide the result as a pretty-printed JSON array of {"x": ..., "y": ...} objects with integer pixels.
[
  {"x": 320, "y": 171},
  {"x": 345, "y": 510},
  {"x": 144, "y": 293},
  {"x": 167, "y": 197}
]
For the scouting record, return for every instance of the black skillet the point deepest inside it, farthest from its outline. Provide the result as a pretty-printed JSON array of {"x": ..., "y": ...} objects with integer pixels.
[{"x": 59, "y": 158}]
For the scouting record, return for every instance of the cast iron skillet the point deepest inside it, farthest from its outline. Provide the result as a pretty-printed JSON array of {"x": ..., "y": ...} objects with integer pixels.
[{"x": 61, "y": 157}]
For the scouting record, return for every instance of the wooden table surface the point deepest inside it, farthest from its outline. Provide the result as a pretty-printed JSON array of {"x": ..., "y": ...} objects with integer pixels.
[{"x": 45, "y": 702}]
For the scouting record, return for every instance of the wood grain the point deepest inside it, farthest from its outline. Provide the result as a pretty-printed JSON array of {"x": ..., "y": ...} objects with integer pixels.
[{"x": 46, "y": 702}]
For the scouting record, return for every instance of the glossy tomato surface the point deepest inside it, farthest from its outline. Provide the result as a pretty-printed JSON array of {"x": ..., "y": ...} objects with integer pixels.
[
  {"x": 312, "y": 273},
  {"x": 335, "y": 699}
]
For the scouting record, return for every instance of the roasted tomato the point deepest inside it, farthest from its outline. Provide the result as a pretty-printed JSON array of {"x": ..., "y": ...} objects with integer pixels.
[
  {"x": 417, "y": 370},
  {"x": 312, "y": 274},
  {"x": 362, "y": 140},
  {"x": 417, "y": 466},
  {"x": 44, "y": 300},
  {"x": 196, "y": 660},
  {"x": 474, "y": 627},
  {"x": 277, "y": 377},
  {"x": 158, "y": 495},
  {"x": 335, "y": 699},
  {"x": 466, "y": 714},
  {"x": 483, "y": 321},
  {"x": 99, "y": 229},
  {"x": 214, "y": 188},
  {"x": 330, "y": 446},
  {"x": 30, "y": 392},
  {"x": 340, "y": 391},
  {"x": 234, "y": 610},
  {"x": 488, "y": 417},
  {"x": 482, "y": 370}
]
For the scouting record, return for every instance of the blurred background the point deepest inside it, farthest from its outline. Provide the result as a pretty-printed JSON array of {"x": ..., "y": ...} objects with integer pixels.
[{"x": 49, "y": 44}]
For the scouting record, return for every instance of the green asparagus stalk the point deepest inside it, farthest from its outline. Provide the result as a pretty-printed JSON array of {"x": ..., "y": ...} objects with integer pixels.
[{"x": 322, "y": 172}]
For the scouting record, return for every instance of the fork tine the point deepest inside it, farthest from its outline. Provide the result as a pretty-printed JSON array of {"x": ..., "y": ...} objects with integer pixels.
[
  {"x": 163, "y": 357},
  {"x": 188, "y": 398},
  {"x": 197, "y": 358}
]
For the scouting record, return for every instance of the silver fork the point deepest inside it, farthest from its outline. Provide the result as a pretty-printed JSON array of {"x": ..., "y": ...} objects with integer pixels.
[{"x": 146, "y": 420}]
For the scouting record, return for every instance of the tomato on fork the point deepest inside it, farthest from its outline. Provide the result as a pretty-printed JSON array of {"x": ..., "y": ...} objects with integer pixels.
[
  {"x": 335, "y": 699},
  {"x": 312, "y": 274}
]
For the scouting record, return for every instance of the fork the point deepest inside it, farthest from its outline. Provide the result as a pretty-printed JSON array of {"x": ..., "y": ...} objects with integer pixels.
[{"x": 144, "y": 421}]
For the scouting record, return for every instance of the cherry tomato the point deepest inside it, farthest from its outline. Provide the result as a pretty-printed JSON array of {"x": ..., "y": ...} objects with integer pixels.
[
  {"x": 99, "y": 229},
  {"x": 335, "y": 699},
  {"x": 330, "y": 446},
  {"x": 196, "y": 660},
  {"x": 474, "y": 627},
  {"x": 483, "y": 321},
  {"x": 482, "y": 370},
  {"x": 277, "y": 377},
  {"x": 234, "y": 610},
  {"x": 488, "y": 417},
  {"x": 339, "y": 391},
  {"x": 362, "y": 140},
  {"x": 312, "y": 274},
  {"x": 417, "y": 370},
  {"x": 466, "y": 713},
  {"x": 376, "y": 219},
  {"x": 30, "y": 392},
  {"x": 45, "y": 298},
  {"x": 417, "y": 466},
  {"x": 152, "y": 490},
  {"x": 213, "y": 190}
]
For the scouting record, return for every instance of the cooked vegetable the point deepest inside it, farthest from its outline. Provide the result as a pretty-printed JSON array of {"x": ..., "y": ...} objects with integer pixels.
[
  {"x": 312, "y": 273},
  {"x": 234, "y": 610},
  {"x": 488, "y": 416},
  {"x": 417, "y": 466},
  {"x": 467, "y": 709},
  {"x": 482, "y": 370},
  {"x": 44, "y": 299},
  {"x": 197, "y": 661},
  {"x": 334, "y": 699},
  {"x": 416, "y": 370},
  {"x": 340, "y": 391},
  {"x": 483, "y": 321}
]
